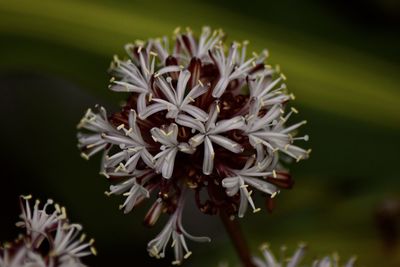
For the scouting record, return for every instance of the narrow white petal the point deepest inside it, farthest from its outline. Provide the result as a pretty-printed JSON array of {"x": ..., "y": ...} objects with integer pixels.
[
  {"x": 226, "y": 143},
  {"x": 195, "y": 112},
  {"x": 181, "y": 86},
  {"x": 208, "y": 160},
  {"x": 152, "y": 109},
  {"x": 190, "y": 122},
  {"x": 169, "y": 162}
]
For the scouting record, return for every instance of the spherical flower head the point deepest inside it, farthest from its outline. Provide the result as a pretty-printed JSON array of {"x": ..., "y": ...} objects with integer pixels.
[
  {"x": 201, "y": 117},
  {"x": 50, "y": 239}
]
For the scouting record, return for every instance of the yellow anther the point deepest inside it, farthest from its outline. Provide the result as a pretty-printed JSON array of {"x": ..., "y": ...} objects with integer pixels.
[
  {"x": 256, "y": 210},
  {"x": 177, "y": 30},
  {"x": 83, "y": 237},
  {"x": 264, "y": 246},
  {"x": 85, "y": 156},
  {"x": 93, "y": 250},
  {"x": 187, "y": 255}
]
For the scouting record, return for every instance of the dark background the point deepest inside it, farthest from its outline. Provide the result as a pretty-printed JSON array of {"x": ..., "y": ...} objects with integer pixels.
[{"x": 342, "y": 62}]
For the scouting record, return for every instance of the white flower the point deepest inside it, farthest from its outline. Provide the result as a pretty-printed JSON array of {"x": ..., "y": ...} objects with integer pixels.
[
  {"x": 132, "y": 189},
  {"x": 198, "y": 105},
  {"x": 263, "y": 89},
  {"x": 69, "y": 243},
  {"x": 165, "y": 160},
  {"x": 38, "y": 221},
  {"x": 134, "y": 79},
  {"x": 6, "y": 260},
  {"x": 269, "y": 131},
  {"x": 132, "y": 144},
  {"x": 251, "y": 175},
  {"x": 64, "y": 246},
  {"x": 173, "y": 231},
  {"x": 333, "y": 261},
  {"x": 207, "y": 41},
  {"x": 231, "y": 67},
  {"x": 211, "y": 132},
  {"x": 269, "y": 259},
  {"x": 96, "y": 123},
  {"x": 176, "y": 101}
]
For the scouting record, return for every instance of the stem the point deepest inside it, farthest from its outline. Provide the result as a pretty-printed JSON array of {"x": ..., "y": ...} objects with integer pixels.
[{"x": 236, "y": 235}]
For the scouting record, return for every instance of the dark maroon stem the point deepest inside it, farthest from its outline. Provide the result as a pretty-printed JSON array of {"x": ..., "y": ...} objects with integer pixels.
[{"x": 237, "y": 238}]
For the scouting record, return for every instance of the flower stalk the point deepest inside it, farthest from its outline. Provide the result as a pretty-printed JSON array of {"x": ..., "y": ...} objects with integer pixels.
[{"x": 232, "y": 227}]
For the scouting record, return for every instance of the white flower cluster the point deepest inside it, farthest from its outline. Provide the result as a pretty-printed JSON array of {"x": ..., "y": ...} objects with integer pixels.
[
  {"x": 295, "y": 261},
  {"x": 201, "y": 104},
  {"x": 43, "y": 228},
  {"x": 269, "y": 260}
]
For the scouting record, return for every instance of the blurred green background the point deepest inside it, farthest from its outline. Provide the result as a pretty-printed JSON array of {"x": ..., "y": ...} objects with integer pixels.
[{"x": 342, "y": 61}]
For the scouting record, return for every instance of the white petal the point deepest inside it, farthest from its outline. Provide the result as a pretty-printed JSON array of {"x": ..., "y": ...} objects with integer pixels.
[
  {"x": 261, "y": 185},
  {"x": 151, "y": 109},
  {"x": 228, "y": 125},
  {"x": 169, "y": 162},
  {"x": 226, "y": 143},
  {"x": 166, "y": 89},
  {"x": 195, "y": 112},
  {"x": 196, "y": 140},
  {"x": 208, "y": 160},
  {"x": 181, "y": 85},
  {"x": 190, "y": 122}
]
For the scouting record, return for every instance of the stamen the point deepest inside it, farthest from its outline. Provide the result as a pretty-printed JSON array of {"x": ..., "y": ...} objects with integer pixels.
[
  {"x": 85, "y": 156},
  {"x": 27, "y": 197},
  {"x": 93, "y": 250},
  {"x": 256, "y": 210},
  {"x": 187, "y": 255},
  {"x": 177, "y": 30}
]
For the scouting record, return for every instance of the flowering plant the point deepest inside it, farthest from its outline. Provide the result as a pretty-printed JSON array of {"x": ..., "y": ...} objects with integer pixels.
[
  {"x": 50, "y": 240},
  {"x": 213, "y": 111}
]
